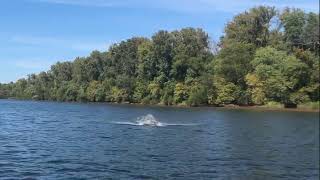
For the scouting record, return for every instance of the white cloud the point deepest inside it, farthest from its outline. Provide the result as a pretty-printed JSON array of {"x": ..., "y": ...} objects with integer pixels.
[
  {"x": 32, "y": 64},
  {"x": 193, "y": 6},
  {"x": 33, "y": 40},
  {"x": 90, "y": 46},
  {"x": 17, "y": 68},
  {"x": 99, "y": 3},
  {"x": 60, "y": 43},
  {"x": 236, "y": 5}
]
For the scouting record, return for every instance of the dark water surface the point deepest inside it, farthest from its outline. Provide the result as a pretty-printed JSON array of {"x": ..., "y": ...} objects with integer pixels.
[{"x": 44, "y": 140}]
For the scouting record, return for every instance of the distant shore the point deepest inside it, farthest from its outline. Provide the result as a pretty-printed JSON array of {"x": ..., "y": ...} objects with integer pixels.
[
  {"x": 263, "y": 108},
  {"x": 229, "y": 106},
  {"x": 232, "y": 106}
]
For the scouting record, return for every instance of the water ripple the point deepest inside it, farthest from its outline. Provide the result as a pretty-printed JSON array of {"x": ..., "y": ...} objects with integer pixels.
[{"x": 43, "y": 140}]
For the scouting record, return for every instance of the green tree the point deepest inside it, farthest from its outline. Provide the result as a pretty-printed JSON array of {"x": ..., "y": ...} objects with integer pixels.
[
  {"x": 256, "y": 89},
  {"x": 301, "y": 29},
  {"x": 82, "y": 96},
  {"x": 280, "y": 73},
  {"x": 180, "y": 93},
  {"x": 118, "y": 95},
  {"x": 71, "y": 93},
  {"x": 251, "y": 27},
  {"x": 227, "y": 92},
  {"x": 197, "y": 95},
  {"x": 233, "y": 63},
  {"x": 91, "y": 90},
  {"x": 100, "y": 94}
]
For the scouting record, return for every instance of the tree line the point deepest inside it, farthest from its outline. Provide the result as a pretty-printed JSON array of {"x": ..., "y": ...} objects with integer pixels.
[{"x": 266, "y": 55}]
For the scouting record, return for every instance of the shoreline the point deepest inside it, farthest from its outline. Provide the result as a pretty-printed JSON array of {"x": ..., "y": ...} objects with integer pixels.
[
  {"x": 282, "y": 109},
  {"x": 226, "y": 107}
]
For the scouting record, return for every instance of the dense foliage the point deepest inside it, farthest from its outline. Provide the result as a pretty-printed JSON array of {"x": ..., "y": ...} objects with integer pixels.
[{"x": 265, "y": 56}]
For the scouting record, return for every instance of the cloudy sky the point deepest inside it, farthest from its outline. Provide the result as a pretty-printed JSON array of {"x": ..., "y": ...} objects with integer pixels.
[{"x": 37, "y": 33}]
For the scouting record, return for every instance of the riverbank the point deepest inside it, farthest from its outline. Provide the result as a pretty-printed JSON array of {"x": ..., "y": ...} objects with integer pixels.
[
  {"x": 230, "y": 106},
  {"x": 278, "y": 107},
  {"x": 266, "y": 108},
  {"x": 313, "y": 107}
]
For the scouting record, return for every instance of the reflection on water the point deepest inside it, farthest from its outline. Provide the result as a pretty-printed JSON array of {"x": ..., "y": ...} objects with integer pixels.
[{"x": 61, "y": 141}]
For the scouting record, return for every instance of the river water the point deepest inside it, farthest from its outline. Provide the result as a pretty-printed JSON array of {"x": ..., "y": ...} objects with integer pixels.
[{"x": 47, "y": 140}]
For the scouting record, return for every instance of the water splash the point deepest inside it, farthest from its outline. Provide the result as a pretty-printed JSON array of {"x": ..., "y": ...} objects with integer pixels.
[{"x": 150, "y": 120}]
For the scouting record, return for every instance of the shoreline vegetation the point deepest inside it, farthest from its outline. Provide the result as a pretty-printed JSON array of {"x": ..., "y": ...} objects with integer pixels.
[{"x": 267, "y": 59}]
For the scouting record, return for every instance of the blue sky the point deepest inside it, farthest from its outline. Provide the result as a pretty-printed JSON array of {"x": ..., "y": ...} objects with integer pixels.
[{"x": 35, "y": 34}]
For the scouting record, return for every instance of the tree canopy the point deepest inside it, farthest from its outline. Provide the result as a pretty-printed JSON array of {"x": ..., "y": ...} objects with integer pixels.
[{"x": 264, "y": 55}]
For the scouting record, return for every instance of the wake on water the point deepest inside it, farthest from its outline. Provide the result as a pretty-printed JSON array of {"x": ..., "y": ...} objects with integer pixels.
[{"x": 150, "y": 120}]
